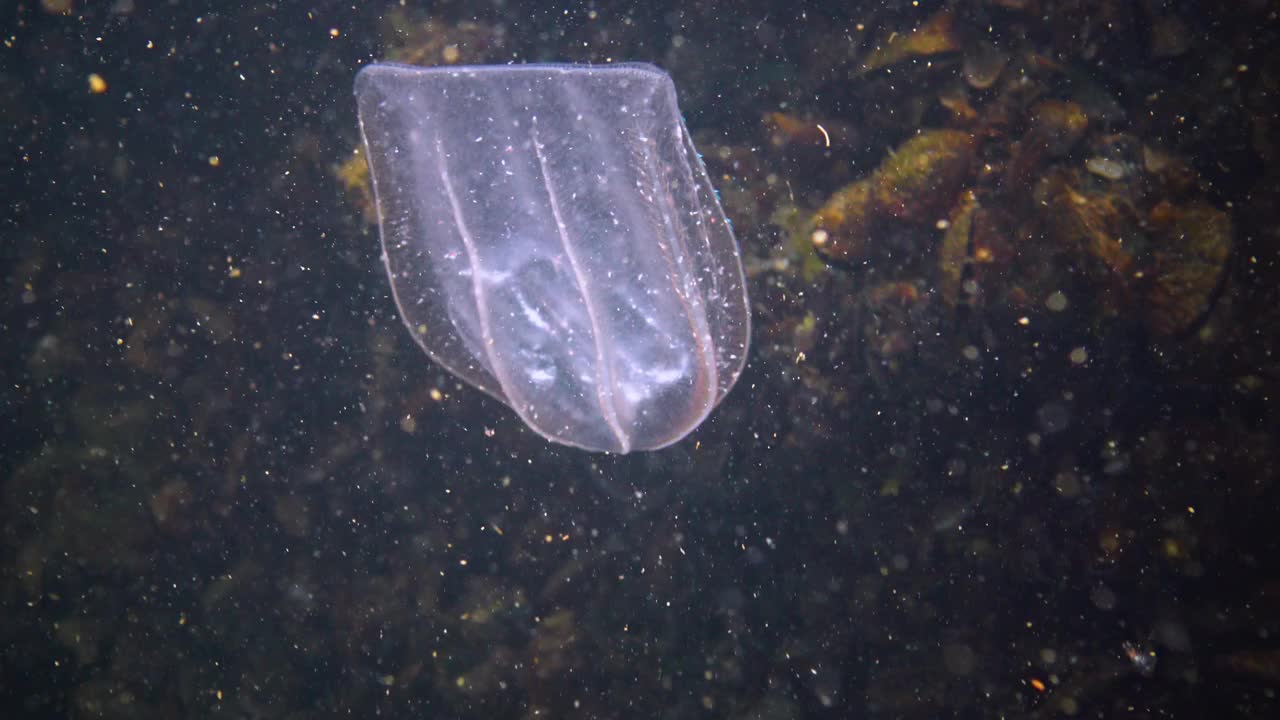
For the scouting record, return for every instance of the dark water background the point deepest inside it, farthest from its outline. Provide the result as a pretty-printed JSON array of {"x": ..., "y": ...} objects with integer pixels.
[{"x": 1013, "y": 456}]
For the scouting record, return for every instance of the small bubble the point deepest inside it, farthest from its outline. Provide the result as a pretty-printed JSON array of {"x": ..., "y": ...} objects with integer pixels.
[
  {"x": 1056, "y": 301},
  {"x": 1067, "y": 484},
  {"x": 1054, "y": 417},
  {"x": 1103, "y": 598},
  {"x": 959, "y": 659}
]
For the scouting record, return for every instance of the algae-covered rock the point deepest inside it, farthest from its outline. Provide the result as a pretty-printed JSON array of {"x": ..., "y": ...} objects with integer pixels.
[
  {"x": 935, "y": 36},
  {"x": 920, "y": 179},
  {"x": 918, "y": 182},
  {"x": 953, "y": 252},
  {"x": 842, "y": 226},
  {"x": 1190, "y": 248}
]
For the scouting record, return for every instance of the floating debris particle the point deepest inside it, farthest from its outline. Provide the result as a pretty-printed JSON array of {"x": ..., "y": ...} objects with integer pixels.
[{"x": 787, "y": 129}]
